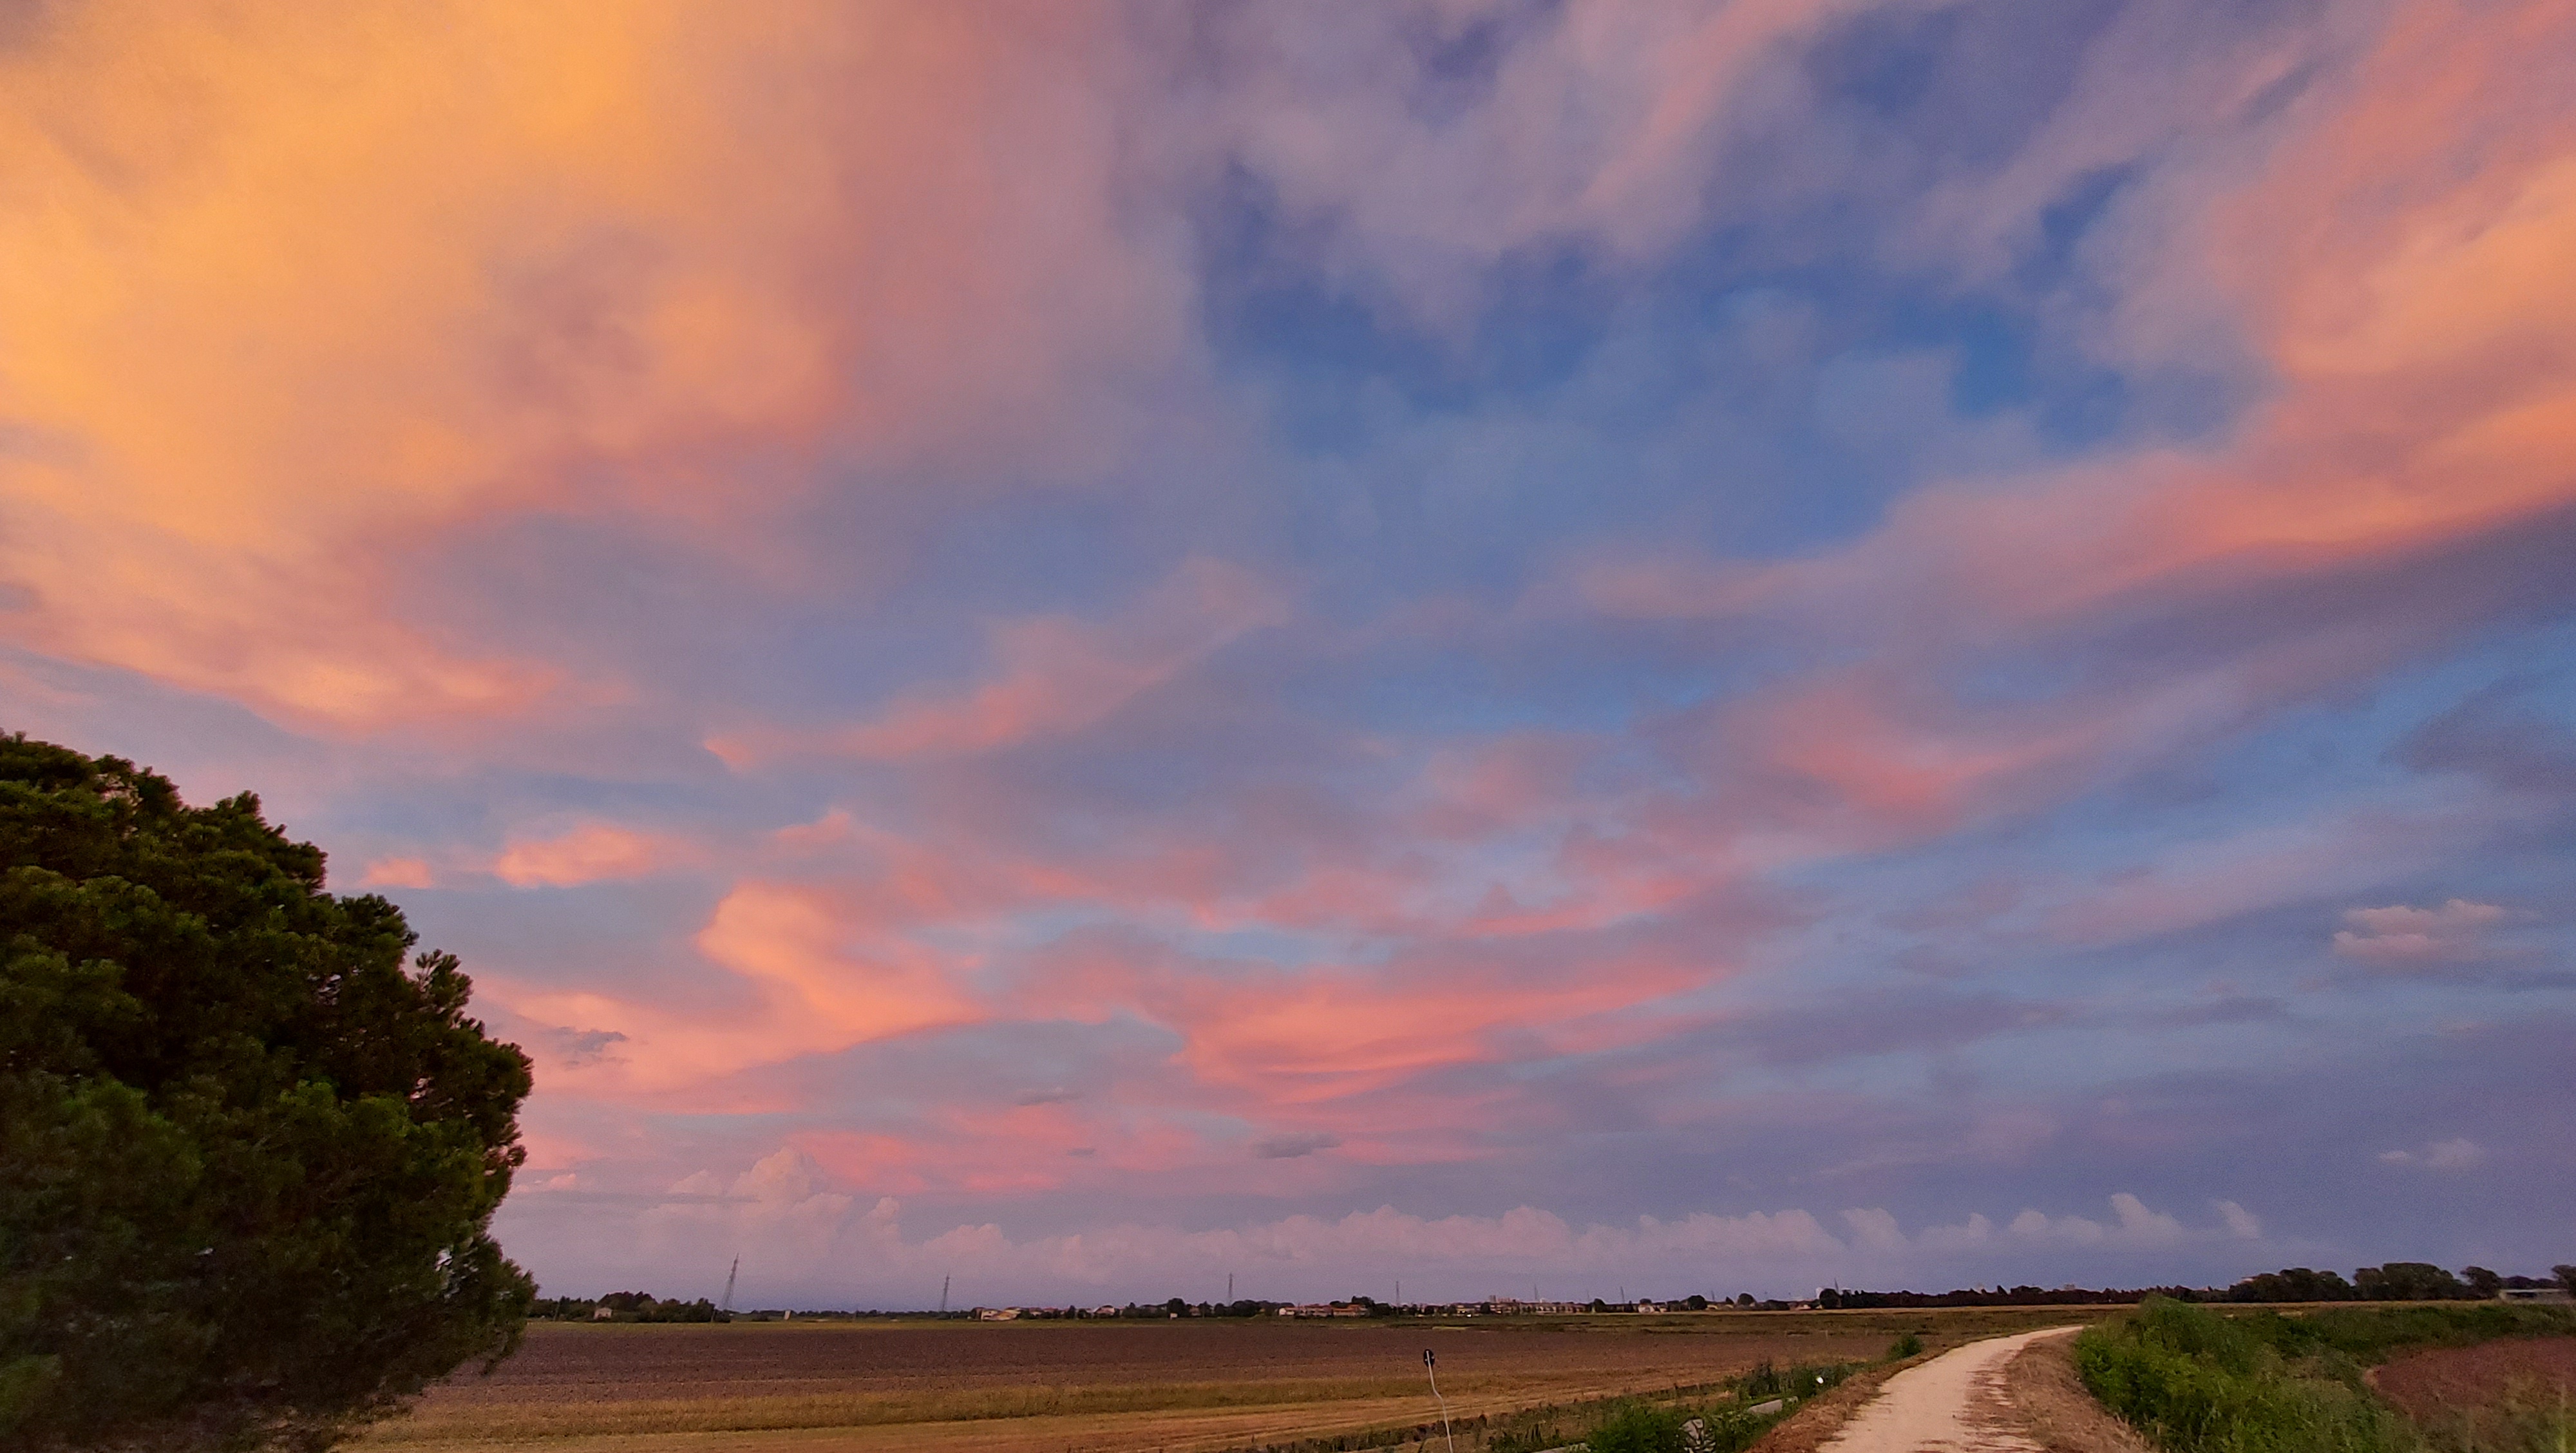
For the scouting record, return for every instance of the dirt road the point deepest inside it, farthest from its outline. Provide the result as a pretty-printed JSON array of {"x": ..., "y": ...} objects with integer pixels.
[{"x": 1955, "y": 1403}]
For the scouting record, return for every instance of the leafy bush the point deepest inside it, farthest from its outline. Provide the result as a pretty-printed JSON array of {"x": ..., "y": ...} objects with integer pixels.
[
  {"x": 1904, "y": 1347},
  {"x": 1728, "y": 1428},
  {"x": 2198, "y": 1382},
  {"x": 1637, "y": 1428}
]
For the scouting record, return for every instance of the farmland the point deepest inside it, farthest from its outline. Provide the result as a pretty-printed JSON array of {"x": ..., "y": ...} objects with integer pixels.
[
  {"x": 928, "y": 1387},
  {"x": 2505, "y": 1394}
]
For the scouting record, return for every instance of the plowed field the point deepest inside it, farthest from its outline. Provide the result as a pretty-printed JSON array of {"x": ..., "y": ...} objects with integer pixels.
[
  {"x": 900, "y": 1387},
  {"x": 2488, "y": 1396}
]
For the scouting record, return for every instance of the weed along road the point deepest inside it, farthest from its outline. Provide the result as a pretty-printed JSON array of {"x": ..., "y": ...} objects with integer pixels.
[{"x": 1956, "y": 1402}]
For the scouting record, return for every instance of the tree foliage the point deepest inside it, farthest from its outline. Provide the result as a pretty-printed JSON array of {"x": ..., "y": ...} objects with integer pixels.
[{"x": 248, "y": 1155}]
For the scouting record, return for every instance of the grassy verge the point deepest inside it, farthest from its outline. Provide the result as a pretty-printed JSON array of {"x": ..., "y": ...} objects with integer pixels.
[
  {"x": 1715, "y": 1417},
  {"x": 2196, "y": 1381},
  {"x": 1743, "y": 1410}
]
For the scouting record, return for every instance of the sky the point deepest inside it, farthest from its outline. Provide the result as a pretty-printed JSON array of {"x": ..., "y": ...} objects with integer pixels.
[{"x": 1524, "y": 647}]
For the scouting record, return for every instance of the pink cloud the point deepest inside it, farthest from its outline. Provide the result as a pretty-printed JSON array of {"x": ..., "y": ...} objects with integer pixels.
[
  {"x": 591, "y": 853},
  {"x": 807, "y": 977},
  {"x": 1053, "y": 675},
  {"x": 1280, "y": 1045},
  {"x": 397, "y": 873},
  {"x": 2398, "y": 935},
  {"x": 2420, "y": 414}
]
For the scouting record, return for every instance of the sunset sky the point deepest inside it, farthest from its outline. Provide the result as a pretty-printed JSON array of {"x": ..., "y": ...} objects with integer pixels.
[{"x": 1682, "y": 646}]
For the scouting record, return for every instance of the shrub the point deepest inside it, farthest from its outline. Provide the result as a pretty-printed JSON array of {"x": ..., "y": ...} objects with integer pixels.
[
  {"x": 1637, "y": 1428},
  {"x": 1729, "y": 1428},
  {"x": 2197, "y": 1382}
]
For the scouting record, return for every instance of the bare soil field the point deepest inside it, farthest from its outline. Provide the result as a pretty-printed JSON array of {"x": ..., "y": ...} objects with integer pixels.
[
  {"x": 1181, "y": 1386},
  {"x": 2477, "y": 1396}
]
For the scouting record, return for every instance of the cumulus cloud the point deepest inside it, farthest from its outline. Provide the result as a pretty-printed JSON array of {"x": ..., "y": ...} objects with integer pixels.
[
  {"x": 1874, "y": 1230},
  {"x": 2133, "y": 1226},
  {"x": 2456, "y": 1154},
  {"x": 783, "y": 1208},
  {"x": 2399, "y": 935}
]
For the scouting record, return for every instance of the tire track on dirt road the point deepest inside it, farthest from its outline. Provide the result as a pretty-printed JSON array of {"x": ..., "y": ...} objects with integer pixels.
[{"x": 1955, "y": 1403}]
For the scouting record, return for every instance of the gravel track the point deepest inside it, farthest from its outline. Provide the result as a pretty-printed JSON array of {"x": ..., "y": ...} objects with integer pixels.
[{"x": 1955, "y": 1403}]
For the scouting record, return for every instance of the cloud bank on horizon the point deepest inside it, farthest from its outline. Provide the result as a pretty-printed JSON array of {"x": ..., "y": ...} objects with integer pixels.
[{"x": 1707, "y": 645}]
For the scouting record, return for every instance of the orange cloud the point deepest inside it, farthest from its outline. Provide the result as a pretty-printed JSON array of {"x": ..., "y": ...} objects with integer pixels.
[
  {"x": 397, "y": 873},
  {"x": 592, "y": 853},
  {"x": 289, "y": 292},
  {"x": 809, "y": 977}
]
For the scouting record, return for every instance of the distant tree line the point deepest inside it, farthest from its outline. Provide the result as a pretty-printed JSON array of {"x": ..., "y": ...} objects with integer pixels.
[
  {"x": 2395, "y": 1281},
  {"x": 2022, "y": 1296},
  {"x": 628, "y": 1307}
]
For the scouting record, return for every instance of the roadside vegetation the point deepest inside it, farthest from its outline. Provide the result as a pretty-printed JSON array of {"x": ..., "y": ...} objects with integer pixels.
[
  {"x": 1743, "y": 1409},
  {"x": 2196, "y": 1381}
]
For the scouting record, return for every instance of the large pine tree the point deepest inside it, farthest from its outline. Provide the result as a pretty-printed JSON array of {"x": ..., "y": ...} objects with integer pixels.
[{"x": 250, "y": 1146}]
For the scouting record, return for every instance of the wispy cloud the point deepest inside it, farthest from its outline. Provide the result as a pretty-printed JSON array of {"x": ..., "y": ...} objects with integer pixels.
[{"x": 1609, "y": 606}]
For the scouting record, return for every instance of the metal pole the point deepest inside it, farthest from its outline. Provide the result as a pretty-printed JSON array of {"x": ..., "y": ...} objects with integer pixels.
[{"x": 1430, "y": 1369}]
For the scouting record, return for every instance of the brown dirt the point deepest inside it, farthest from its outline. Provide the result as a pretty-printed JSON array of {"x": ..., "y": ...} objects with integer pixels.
[
  {"x": 2050, "y": 1405},
  {"x": 2460, "y": 1388},
  {"x": 1171, "y": 1385}
]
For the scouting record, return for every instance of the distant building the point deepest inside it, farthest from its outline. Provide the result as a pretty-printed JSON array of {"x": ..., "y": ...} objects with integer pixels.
[
  {"x": 1325, "y": 1309},
  {"x": 997, "y": 1314},
  {"x": 603, "y": 1314},
  {"x": 1647, "y": 1306},
  {"x": 1104, "y": 1311},
  {"x": 2551, "y": 1296}
]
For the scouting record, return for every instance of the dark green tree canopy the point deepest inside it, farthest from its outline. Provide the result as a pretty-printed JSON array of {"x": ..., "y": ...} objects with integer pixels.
[{"x": 249, "y": 1154}]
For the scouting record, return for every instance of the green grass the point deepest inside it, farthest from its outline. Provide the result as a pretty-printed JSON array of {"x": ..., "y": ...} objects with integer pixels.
[
  {"x": 2196, "y": 1381},
  {"x": 1727, "y": 1427}
]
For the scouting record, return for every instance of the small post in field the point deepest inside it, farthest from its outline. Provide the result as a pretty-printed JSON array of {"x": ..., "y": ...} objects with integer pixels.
[{"x": 1430, "y": 1369}]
